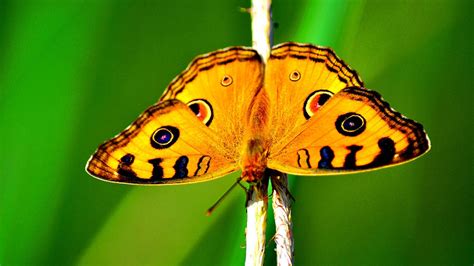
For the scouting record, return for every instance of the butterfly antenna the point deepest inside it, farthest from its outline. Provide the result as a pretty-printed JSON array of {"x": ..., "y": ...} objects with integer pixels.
[{"x": 210, "y": 210}]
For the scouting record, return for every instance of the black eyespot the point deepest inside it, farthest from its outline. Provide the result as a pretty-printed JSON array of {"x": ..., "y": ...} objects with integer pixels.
[
  {"x": 202, "y": 109},
  {"x": 127, "y": 159},
  {"x": 164, "y": 137},
  {"x": 315, "y": 101},
  {"x": 350, "y": 124}
]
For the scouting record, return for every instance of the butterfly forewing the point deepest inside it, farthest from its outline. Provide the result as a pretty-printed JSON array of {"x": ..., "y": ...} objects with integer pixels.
[
  {"x": 220, "y": 88},
  {"x": 299, "y": 79}
]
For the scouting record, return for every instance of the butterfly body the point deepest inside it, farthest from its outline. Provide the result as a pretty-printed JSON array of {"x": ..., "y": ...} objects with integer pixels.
[
  {"x": 253, "y": 159},
  {"x": 304, "y": 112}
]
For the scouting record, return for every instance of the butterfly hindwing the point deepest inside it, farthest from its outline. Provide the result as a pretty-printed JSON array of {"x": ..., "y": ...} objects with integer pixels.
[
  {"x": 167, "y": 144},
  {"x": 299, "y": 79},
  {"x": 355, "y": 131}
]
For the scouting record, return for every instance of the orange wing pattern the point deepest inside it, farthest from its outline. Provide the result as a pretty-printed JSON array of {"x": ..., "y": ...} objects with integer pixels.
[
  {"x": 355, "y": 131},
  {"x": 305, "y": 113},
  {"x": 167, "y": 144},
  {"x": 299, "y": 78},
  {"x": 220, "y": 87}
]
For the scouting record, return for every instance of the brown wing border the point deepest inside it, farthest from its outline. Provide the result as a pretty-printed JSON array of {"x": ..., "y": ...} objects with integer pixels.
[
  {"x": 318, "y": 54},
  {"x": 205, "y": 62},
  {"x": 395, "y": 120}
]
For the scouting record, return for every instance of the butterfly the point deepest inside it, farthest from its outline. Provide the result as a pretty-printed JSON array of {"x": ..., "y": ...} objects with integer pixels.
[{"x": 305, "y": 112}]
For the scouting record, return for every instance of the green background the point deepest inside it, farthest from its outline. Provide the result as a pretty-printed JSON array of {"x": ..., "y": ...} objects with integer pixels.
[{"x": 75, "y": 73}]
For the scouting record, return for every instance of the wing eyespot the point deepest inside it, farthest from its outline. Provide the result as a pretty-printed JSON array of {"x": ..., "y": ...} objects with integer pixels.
[
  {"x": 295, "y": 75},
  {"x": 202, "y": 109},
  {"x": 164, "y": 137},
  {"x": 315, "y": 101},
  {"x": 226, "y": 81},
  {"x": 350, "y": 124}
]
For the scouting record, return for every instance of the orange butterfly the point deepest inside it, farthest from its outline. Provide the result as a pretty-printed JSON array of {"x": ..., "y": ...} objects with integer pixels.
[{"x": 306, "y": 112}]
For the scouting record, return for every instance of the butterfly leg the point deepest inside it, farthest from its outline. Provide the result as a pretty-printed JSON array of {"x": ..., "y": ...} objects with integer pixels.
[{"x": 241, "y": 185}]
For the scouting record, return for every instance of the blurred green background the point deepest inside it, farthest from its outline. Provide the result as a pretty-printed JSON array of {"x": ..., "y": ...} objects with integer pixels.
[{"x": 74, "y": 73}]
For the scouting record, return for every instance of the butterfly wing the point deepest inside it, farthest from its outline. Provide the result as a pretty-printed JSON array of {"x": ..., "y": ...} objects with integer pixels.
[
  {"x": 299, "y": 78},
  {"x": 355, "y": 131},
  {"x": 220, "y": 87},
  {"x": 167, "y": 144}
]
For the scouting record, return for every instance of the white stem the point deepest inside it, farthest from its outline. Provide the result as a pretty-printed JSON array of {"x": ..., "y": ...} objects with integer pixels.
[
  {"x": 281, "y": 204},
  {"x": 257, "y": 197},
  {"x": 261, "y": 27},
  {"x": 257, "y": 205},
  {"x": 257, "y": 200}
]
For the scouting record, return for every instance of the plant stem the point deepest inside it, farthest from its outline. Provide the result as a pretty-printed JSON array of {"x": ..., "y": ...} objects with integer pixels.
[
  {"x": 262, "y": 27},
  {"x": 257, "y": 205},
  {"x": 257, "y": 199},
  {"x": 281, "y": 203}
]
